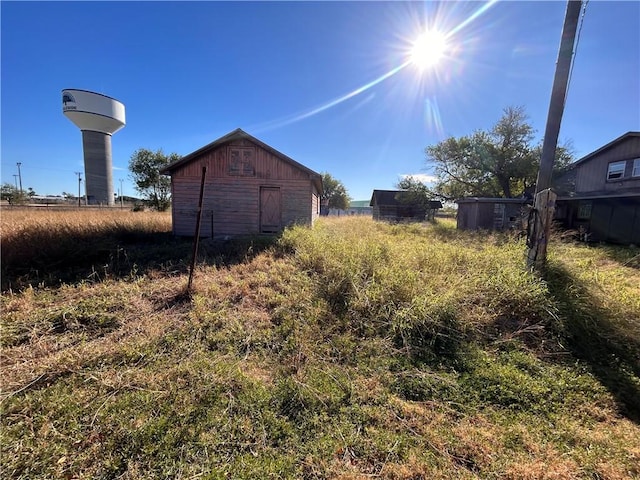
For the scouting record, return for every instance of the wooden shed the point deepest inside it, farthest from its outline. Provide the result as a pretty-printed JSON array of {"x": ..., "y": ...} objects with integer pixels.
[
  {"x": 476, "y": 213},
  {"x": 401, "y": 206},
  {"x": 250, "y": 188}
]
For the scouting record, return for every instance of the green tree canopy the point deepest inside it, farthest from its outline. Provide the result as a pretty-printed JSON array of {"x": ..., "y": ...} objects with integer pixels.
[
  {"x": 13, "y": 195},
  {"x": 334, "y": 194},
  {"x": 414, "y": 191},
  {"x": 501, "y": 162},
  {"x": 145, "y": 167}
]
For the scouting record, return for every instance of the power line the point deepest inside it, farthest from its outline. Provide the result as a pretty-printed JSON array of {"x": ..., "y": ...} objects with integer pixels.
[{"x": 575, "y": 49}]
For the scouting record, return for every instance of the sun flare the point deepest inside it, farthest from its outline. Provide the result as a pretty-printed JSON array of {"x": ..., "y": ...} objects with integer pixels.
[{"x": 428, "y": 49}]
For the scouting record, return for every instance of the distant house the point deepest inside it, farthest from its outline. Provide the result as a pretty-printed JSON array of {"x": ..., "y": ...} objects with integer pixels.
[
  {"x": 356, "y": 207},
  {"x": 600, "y": 195},
  {"x": 399, "y": 206},
  {"x": 359, "y": 207},
  {"x": 250, "y": 188},
  {"x": 475, "y": 213}
]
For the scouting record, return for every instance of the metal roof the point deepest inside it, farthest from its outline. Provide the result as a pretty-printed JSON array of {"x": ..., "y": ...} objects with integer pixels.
[{"x": 359, "y": 203}]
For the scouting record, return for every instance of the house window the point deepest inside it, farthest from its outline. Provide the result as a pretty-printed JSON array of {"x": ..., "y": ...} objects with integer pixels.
[
  {"x": 636, "y": 168},
  {"x": 616, "y": 170},
  {"x": 584, "y": 211}
]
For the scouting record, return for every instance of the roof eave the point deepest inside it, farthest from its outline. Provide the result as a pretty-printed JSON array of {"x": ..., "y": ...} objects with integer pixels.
[
  {"x": 612, "y": 143},
  {"x": 599, "y": 195},
  {"x": 236, "y": 134}
]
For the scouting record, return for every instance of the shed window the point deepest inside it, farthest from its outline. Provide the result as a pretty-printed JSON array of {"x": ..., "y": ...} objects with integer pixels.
[
  {"x": 616, "y": 170},
  {"x": 241, "y": 162},
  {"x": 636, "y": 168}
]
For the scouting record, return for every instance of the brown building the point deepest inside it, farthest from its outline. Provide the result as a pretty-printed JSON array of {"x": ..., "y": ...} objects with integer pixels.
[
  {"x": 401, "y": 206},
  {"x": 475, "y": 213},
  {"x": 250, "y": 188},
  {"x": 600, "y": 195}
]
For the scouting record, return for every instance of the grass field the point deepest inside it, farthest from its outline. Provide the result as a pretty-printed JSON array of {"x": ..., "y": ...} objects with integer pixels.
[{"x": 351, "y": 350}]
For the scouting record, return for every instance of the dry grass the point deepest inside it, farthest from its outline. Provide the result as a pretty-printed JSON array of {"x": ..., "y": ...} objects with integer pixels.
[
  {"x": 48, "y": 349},
  {"x": 51, "y": 246},
  {"x": 34, "y": 224},
  {"x": 353, "y": 350}
]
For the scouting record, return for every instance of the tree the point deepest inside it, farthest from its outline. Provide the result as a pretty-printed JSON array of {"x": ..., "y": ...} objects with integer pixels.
[
  {"x": 334, "y": 193},
  {"x": 414, "y": 191},
  {"x": 500, "y": 162},
  {"x": 145, "y": 167},
  {"x": 13, "y": 195},
  {"x": 6, "y": 191}
]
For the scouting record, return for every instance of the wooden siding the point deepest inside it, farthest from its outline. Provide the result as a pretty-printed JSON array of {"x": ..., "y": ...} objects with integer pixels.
[
  {"x": 315, "y": 204},
  {"x": 487, "y": 215},
  {"x": 267, "y": 166},
  {"x": 232, "y": 196},
  {"x": 399, "y": 213},
  {"x": 592, "y": 175},
  {"x": 615, "y": 220}
]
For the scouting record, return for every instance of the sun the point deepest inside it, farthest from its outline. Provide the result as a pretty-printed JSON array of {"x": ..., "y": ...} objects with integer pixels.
[{"x": 428, "y": 49}]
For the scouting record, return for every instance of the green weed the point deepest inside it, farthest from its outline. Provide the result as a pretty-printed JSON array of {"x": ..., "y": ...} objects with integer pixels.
[{"x": 351, "y": 350}]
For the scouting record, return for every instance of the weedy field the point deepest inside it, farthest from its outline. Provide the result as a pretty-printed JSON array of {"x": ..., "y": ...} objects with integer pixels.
[{"x": 350, "y": 350}]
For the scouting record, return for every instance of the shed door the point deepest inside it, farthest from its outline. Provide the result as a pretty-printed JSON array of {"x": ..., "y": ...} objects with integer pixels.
[{"x": 270, "y": 212}]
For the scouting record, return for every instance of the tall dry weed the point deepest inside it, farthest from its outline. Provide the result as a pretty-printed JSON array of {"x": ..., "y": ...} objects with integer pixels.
[{"x": 40, "y": 242}]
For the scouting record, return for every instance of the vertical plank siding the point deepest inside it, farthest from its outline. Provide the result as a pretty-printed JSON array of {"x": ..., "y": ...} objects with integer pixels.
[
  {"x": 315, "y": 204},
  {"x": 232, "y": 201},
  {"x": 600, "y": 209},
  {"x": 592, "y": 176}
]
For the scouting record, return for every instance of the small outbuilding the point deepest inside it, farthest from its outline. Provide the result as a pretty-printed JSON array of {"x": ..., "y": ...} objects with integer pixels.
[
  {"x": 250, "y": 188},
  {"x": 401, "y": 206},
  {"x": 475, "y": 213},
  {"x": 359, "y": 207}
]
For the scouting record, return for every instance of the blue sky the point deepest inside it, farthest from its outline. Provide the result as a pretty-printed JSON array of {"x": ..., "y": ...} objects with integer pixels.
[{"x": 190, "y": 72}]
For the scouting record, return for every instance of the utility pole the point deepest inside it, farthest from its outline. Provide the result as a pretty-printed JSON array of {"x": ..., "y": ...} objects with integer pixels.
[
  {"x": 79, "y": 182},
  {"x": 121, "y": 195},
  {"x": 15, "y": 178},
  {"x": 19, "y": 175},
  {"x": 545, "y": 198}
]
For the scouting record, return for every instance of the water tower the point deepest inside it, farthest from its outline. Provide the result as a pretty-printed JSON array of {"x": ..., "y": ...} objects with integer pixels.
[{"x": 99, "y": 117}]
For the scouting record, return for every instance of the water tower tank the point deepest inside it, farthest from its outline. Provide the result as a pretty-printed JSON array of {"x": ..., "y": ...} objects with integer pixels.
[{"x": 98, "y": 117}]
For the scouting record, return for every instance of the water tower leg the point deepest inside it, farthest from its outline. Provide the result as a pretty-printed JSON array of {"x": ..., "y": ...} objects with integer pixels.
[{"x": 97, "y": 167}]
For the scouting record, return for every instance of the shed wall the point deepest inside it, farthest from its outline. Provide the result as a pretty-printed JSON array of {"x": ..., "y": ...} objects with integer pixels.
[
  {"x": 615, "y": 220},
  {"x": 399, "y": 213},
  {"x": 231, "y": 203},
  {"x": 489, "y": 215}
]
